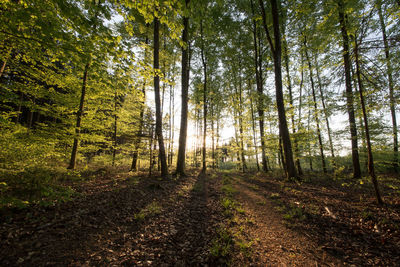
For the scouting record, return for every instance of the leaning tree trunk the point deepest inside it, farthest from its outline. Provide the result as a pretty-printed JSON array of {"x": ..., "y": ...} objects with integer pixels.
[
  {"x": 349, "y": 91},
  {"x": 371, "y": 169},
  {"x": 156, "y": 66},
  {"x": 180, "y": 167}
]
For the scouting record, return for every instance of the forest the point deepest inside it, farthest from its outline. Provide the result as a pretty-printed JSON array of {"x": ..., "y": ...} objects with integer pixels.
[{"x": 199, "y": 132}]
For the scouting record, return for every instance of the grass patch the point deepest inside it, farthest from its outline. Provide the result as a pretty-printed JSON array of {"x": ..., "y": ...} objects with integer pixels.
[
  {"x": 222, "y": 246},
  {"x": 150, "y": 210},
  {"x": 294, "y": 213},
  {"x": 228, "y": 190}
]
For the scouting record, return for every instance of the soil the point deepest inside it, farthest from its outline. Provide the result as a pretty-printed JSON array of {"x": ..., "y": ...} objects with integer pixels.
[{"x": 122, "y": 219}]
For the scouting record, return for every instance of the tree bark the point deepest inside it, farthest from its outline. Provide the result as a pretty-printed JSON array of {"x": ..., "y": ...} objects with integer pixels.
[
  {"x": 180, "y": 168},
  {"x": 349, "y": 91},
  {"x": 371, "y": 168},
  {"x": 156, "y": 66}
]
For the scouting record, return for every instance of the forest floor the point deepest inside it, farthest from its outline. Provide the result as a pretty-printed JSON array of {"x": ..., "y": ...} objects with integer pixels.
[{"x": 222, "y": 218}]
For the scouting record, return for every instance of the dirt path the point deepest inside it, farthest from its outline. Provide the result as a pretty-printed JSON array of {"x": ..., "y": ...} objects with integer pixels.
[{"x": 275, "y": 244}]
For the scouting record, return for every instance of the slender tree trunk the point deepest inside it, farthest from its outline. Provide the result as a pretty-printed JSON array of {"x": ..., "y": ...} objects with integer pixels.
[
  {"x": 79, "y": 115},
  {"x": 138, "y": 139},
  {"x": 259, "y": 83},
  {"x": 212, "y": 137},
  {"x": 371, "y": 169},
  {"x": 326, "y": 115},
  {"x": 286, "y": 58},
  {"x": 309, "y": 141},
  {"x": 151, "y": 151},
  {"x": 321, "y": 148},
  {"x": 276, "y": 49},
  {"x": 349, "y": 91},
  {"x": 158, "y": 129},
  {"x": 180, "y": 168},
  {"x": 164, "y": 167},
  {"x": 253, "y": 126},
  {"x": 203, "y": 59},
  {"x": 115, "y": 130},
  {"x": 243, "y": 158},
  {"x": 299, "y": 124},
  {"x": 217, "y": 146},
  {"x": 392, "y": 99}
]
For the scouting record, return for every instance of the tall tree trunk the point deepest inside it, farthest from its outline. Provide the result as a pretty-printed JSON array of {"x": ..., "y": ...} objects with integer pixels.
[
  {"x": 326, "y": 115},
  {"x": 79, "y": 115},
  {"x": 253, "y": 126},
  {"x": 392, "y": 99},
  {"x": 156, "y": 66},
  {"x": 171, "y": 125},
  {"x": 299, "y": 124},
  {"x": 259, "y": 84},
  {"x": 243, "y": 158},
  {"x": 115, "y": 130},
  {"x": 371, "y": 169},
  {"x": 138, "y": 139},
  {"x": 321, "y": 148},
  {"x": 151, "y": 150},
  {"x": 309, "y": 143},
  {"x": 286, "y": 58},
  {"x": 276, "y": 49},
  {"x": 204, "y": 61},
  {"x": 217, "y": 145},
  {"x": 349, "y": 91},
  {"x": 180, "y": 168},
  {"x": 212, "y": 137}
]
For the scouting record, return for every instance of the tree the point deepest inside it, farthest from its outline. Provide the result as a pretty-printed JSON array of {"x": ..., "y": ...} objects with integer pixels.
[
  {"x": 156, "y": 66},
  {"x": 371, "y": 168},
  {"x": 349, "y": 91},
  {"x": 180, "y": 168},
  {"x": 276, "y": 50}
]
